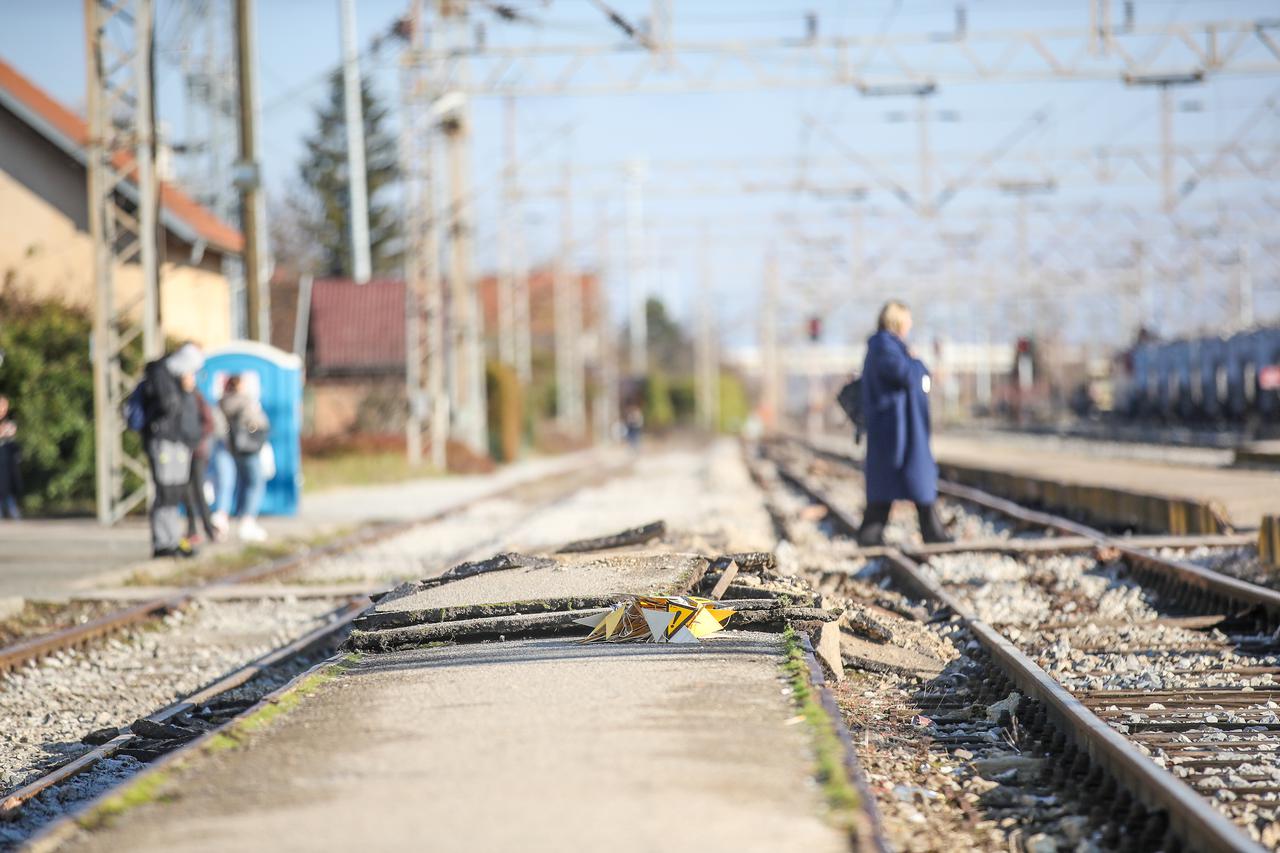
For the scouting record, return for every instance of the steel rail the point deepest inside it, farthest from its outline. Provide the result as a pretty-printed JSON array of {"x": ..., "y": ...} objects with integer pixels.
[
  {"x": 59, "y": 831},
  {"x": 25, "y": 651},
  {"x": 1190, "y": 815},
  {"x": 11, "y": 807},
  {"x": 1224, "y": 587}
]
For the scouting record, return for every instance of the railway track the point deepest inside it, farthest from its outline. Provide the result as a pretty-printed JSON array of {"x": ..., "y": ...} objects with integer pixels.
[
  {"x": 1151, "y": 681},
  {"x": 107, "y": 756}
]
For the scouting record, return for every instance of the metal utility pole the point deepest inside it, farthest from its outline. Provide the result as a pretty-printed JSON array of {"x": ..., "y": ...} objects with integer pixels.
[
  {"x": 118, "y": 48},
  {"x": 928, "y": 204},
  {"x": 424, "y": 291},
  {"x": 570, "y": 399},
  {"x": 606, "y": 410},
  {"x": 468, "y": 386},
  {"x": 522, "y": 321},
  {"x": 1244, "y": 285},
  {"x": 770, "y": 372},
  {"x": 707, "y": 373},
  {"x": 253, "y": 203},
  {"x": 1166, "y": 82},
  {"x": 637, "y": 280},
  {"x": 353, "y": 109}
]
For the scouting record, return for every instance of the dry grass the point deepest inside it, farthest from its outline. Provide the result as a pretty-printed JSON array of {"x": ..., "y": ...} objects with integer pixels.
[{"x": 359, "y": 469}]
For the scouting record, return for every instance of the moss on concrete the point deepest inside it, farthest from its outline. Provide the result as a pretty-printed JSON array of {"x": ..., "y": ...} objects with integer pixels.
[
  {"x": 155, "y": 786},
  {"x": 837, "y": 788}
]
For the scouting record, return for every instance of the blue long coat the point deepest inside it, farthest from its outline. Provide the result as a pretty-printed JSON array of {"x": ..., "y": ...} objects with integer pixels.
[{"x": 899, "y": 464}]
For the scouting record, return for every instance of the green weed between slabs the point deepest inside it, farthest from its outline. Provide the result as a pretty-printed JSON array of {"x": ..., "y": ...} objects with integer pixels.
[
  {"x": 837, "y": 788},
  {"x": 154, "y": 787}
]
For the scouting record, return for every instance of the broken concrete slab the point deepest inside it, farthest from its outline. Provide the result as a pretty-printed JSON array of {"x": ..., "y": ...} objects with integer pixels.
[
  {"x": 377, "y": 621},
  {"x": 642, "y": 535},
  {"x": 826, "y": 648},
  {"x": 564, "y": 577},
  {"x": 472, "y": 630}
]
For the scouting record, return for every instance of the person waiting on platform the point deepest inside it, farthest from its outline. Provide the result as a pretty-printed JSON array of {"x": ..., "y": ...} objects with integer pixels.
[
  {"x": 10, "y": 458},
  {"x": 247, "y": 429},
  {"x": 895, "y": 400},
  {"x": 168, "y": 423},
  {"x": 197, "y": 425}
]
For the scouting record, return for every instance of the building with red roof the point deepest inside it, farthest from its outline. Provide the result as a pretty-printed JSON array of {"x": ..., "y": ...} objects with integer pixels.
[{"x": 45, "y": 249}]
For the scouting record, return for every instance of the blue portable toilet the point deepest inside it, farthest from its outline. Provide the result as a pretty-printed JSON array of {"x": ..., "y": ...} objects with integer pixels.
[{"x": 275, "y": 378}]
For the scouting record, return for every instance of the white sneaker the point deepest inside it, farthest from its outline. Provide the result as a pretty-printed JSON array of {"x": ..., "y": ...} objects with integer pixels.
[
  {"x": 220, "y": 522},
  {"x": 251, "y": 531}
]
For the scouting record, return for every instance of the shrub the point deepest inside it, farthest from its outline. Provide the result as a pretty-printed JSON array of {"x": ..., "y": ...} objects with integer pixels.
[
  {"x": 734, "y": 406},
  {"x": 659, "y": 414},
  {"x": 48, "y": 377},
  {"x": 506, "y": 411},
  {"x": 684, "y": 399}
]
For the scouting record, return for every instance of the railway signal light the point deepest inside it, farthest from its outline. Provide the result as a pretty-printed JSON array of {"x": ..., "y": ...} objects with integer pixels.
[{"x": 815, "y": 329}]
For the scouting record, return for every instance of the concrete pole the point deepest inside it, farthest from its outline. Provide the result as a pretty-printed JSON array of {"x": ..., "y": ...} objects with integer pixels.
[
  {"x": 506, "y": 237},
  {"x": 522, "y": 322},
  {"x": 1244, "y": 286},
  {"x": 770, "y": 369},
  {"x": 606, "y": 410},
  {"x": 253, "y": 206},
  {"x": 1166, "y": 147},
  {"x": 707, "y": 375},
  {"x": 148, "y": 193},
  {"x": 353, "y": 109},
  {"x": 468, "y": 391},
  {"x": 926, "y": 156},
  {"x": 637, "y": 276},
  {"x": 570, "y": 402}
]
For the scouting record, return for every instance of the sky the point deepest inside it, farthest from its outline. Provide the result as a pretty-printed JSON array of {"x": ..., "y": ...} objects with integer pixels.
[{"x": 848, "y": 243}]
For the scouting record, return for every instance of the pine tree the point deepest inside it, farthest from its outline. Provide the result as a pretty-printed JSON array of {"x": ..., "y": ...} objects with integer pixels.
[{"x": 324, "y": 182}]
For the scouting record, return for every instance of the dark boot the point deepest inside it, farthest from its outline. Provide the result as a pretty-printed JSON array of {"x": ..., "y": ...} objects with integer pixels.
[
  {"x": 874, "y": 518},
  {"x": 931, "y": 528}
]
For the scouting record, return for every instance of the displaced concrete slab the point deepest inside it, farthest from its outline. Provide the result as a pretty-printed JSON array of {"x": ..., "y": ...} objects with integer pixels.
[
  {"x": 542, "y": 745},
  {"x": 570, "y": 576}
]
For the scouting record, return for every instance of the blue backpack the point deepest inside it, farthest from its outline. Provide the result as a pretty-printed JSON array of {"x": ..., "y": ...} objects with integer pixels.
[{"x": 135, "y": 412}]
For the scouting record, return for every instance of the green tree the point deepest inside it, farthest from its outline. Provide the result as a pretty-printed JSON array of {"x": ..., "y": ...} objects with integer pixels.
[
  {"x": 324, "y": 207},
  {"x": 669, "y": 347}
]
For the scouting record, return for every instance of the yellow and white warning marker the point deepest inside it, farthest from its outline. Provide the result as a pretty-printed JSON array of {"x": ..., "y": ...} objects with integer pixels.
[{"x": 657, "y": 619}]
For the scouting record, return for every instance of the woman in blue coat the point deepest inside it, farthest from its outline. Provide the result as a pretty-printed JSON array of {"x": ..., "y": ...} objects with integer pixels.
[{"x": 895, "y": 405}]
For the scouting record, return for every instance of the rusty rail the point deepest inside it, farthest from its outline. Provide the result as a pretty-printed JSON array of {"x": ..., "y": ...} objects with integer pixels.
[
  {"x": 340, "y": 619},
  {"x": 76, "y": 636}
]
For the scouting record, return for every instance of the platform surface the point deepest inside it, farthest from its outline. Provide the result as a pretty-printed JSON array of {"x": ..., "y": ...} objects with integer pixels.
[
  {"x": 1246, "y": 495},
  {"x": 542, "y": 745},
  {"x": 55, "y": 559}
]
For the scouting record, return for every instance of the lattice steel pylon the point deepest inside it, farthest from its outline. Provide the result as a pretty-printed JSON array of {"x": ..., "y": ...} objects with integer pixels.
[{"x": 123, "y": 202}]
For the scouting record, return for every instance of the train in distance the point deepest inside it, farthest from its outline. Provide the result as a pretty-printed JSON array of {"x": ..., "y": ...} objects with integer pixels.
[{"x": 1210, "y": 381}]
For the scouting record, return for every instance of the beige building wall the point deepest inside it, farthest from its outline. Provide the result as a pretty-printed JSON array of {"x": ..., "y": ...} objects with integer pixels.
[
  {"x": 44, "y": 255},
  {"x": 346, "y": 405}
]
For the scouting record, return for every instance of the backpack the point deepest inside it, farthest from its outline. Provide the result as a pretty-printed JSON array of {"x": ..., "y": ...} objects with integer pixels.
[
  {"x": 850, "y": 401},
  {"x": 244, "y": 438},
  {"x": 135, "y": 408}
]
